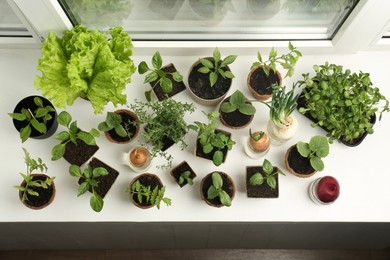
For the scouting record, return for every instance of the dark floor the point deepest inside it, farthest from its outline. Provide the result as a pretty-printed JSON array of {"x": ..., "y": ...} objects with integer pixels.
[{"x": 213, "y": 254}]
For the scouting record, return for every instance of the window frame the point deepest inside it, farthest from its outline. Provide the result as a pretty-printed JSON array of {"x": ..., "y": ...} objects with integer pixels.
[{"x": 362, "y": 30}]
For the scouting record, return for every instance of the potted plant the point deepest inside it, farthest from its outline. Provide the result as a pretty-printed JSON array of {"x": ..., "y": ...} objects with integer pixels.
[
  {"x": 210, "y": 78},
  {"x": 97, "y": 178},
  {"x": 85, "y": 63},
  {"x": 120, "y": 126},
  {"x": 236, "y": 111},
  {"x": 164, "y": 125},
  {"x": 147, "y": 191},
  {"x": 282, "y": 125},
  {"x": 217, "y": 189},
  {"x": 183, "y": 174},
  {"x": 37, "y": 189},
  {"x": 76, "y": 146},
  {"x": 212, "y": 143},
  {"x": 34, "y": 117},
  {"x": 263, "y": 9},
  {"x": 262, "y": 181},
  {"x": 258, "y": 144},
  {"x": 304, "y": 159},
  {"x": 138, "y": 159},
  {"x": 165, "y": 81},
  {"x": 341, "y": 102},
  {"x": 264, "y": 74}
]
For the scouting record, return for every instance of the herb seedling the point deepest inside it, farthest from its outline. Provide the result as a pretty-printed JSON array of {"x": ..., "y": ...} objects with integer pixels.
[
  {"x": 36, "y": 119},
  {"x": 215, "y": 190},
  {"x": 316, "y": 149},
  {"x": 342, "y": 102},
  {"x": 210, "y": 140},
  {"x": 237, "y": 101},
  {"x": 147, "y": 195},
  {"x": 73, "y": 133},
  {"x": 158, "y": 76},
  {"x": 31, "y": 185},
  {"x": 164, "y": 120},
  {"x": 287, "y": 61},
  {"x": 89, "y": 183},
  {"x": 218, "y": 68},
  {"x": 113, "y": 121},
  {"x": 268, "y": 175},
  {"x": 185, "y": 176}
]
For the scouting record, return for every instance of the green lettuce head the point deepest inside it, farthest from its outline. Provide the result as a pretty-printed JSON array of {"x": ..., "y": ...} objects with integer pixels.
[{"x": 86, "y": 63}]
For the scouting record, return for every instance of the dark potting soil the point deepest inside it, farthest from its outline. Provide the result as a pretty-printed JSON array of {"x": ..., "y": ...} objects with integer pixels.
[
  {"x": 177, "y": 87},
  {"x": 178, "y": 170},
  {"x": 147, "y": 180},
  {"x": 106, "y": 181},
  {"x": 28, "y": 103},
  {"x": 263, "y": 190},
  {"x": 132, "y": 128},
  {"x": 235, "y": 118},
  {"x": 200, "y": 83},
  {"x": 299, "y": 163},
  {"x": 226, "y": 186},
  {"x": 80, "y": 153},
  {"x": 262, "y": 83},
  {"x": 44, "y": 194},
  {"x": 199, "y": 151}
]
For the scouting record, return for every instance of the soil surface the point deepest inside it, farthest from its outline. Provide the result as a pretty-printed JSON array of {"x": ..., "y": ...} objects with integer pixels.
[
  {"x": 44, "y": 194},
  {"x": 80, "y": 153},
  {"x": 299, "y": 163},
  {"x": 177, "y": 87},
  {"x": 199, "y": 83},
  {"x": 106, "y": 181},
  {"x": 178, "y": 170},
  {"x": 226, "y": 186},
  {"x": 262, "y": 83},
  {"x": 234, "y": 119},
  {"x": 263, "y": 190}
]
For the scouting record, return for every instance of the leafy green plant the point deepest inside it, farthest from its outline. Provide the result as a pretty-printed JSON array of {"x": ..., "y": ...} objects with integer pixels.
[
  {"x": 210, "y": 140},
  {"x": 237, "y": 101},
  {"x": 287, "y": 61},
  {"x": 86, "y": 63},
  {"x": 147, "y": 195},
  {"x": 342, "y": 102},
  {"x": 267, "y": 175},
  {"x": 282, "y": 104},
  {"x": 31, "y": 184},
  {"x": 113, "y": 121},
  {"x": 89, "y": 182},
  {"x": 164, "y": 120},
  {"x": 216, "y": 190},
  {"x": 218, "y": 67},
  {"x": 256, "y": 136},
  {"x": 36, "y": 119},
  {"x": 73, "y": 133},
  {"x": 158, "y": 76},
  {"x": 316, "y": 149},
  {"x": 185, "y": 176}
]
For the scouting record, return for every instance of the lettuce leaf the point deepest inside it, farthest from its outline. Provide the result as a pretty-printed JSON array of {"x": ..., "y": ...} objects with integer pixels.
[{"x": 86, "y": 63}]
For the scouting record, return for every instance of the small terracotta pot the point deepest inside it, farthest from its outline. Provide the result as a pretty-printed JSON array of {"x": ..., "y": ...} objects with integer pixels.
[
  {"x": 231, "y": 190},
  {"x": 148, "y": 179},
  {"x": 49, "y": 201},
  {"x": 255, "y": 94},
  {"x": 131, "y": 114},
  {"x": 293, "y": 171}
]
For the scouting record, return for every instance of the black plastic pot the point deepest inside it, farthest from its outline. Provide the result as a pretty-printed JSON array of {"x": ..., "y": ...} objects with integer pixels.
[{"x": 28, "y": 103}]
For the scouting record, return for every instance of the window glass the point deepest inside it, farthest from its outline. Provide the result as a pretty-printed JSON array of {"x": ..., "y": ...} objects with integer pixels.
[
  {"x": 10, "y": 24},
  {"x": 214, "y": 19}
]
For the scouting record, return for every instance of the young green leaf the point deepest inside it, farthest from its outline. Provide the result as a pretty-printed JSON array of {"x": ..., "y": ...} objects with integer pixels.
[
  {"x": 303, "y": 149},
  {"x": 64, "y": 118},
  {"x": 86, "y": 138},
  {"x": 18, "y": 116},
  {"x": 57, "y": 152},
  {"x": 217, "y": 180},
  {"x": 96, "y": 202},
  {"x": 212, "y": 193},
  {"x": 225, "y": 198},
  {"x": 143, "y": 67},
  {"x": 256, "y": 179},
  {"x": 75, "y": 171},
  {"x": 267, "y": 167},
  {"x": 317, "y": 163},
  {"x": 157, "y": 60}
]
